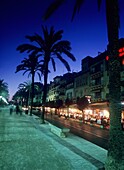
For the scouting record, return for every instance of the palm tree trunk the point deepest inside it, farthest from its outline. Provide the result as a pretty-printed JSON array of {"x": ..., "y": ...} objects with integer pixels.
[
  {"x": 44, "y": 91},
  {"x": 32, "y": 93},
  {"x": 28, "y": 100},
  {"x": 116, "y": 145}
]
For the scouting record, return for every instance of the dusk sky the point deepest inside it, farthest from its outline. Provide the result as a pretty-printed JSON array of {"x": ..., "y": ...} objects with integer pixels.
[{"x": 18, "y": 18}]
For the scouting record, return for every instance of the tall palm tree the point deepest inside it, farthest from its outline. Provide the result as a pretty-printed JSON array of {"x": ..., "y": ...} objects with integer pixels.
[
  {"x": 49, "y": 46},
  {"x": 31, "y": 65},
  {"x": 19, "y": 96},
  {"x": 115, "y": 158},
  {"x": 26, "y": 86}
]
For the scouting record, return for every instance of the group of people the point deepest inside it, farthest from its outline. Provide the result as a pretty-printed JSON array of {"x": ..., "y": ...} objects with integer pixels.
[{"x": 17, "y": 108}]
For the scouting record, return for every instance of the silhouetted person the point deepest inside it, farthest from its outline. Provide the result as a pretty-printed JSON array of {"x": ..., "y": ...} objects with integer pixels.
[
  {"x": 20, "y": 110},
  {"x": 17, "y": 109}
]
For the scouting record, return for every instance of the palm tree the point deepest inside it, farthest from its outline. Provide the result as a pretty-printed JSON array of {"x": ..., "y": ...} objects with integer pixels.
[
  {"x": 26, "y": 86},
  {"x": 50, "y": 46},
  {"x": 116, "y": 141},
  {"x": 19, "y": 96},
  {"x": 82, "y": 103},
  {"x": 31, "y": 65}
]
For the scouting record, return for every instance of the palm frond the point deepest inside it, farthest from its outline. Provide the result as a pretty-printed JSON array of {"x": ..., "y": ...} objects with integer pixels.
[
  {"x": 52, "y": 8},
  {"x": 38, "y": 39},
  {"x": 63, "y": 61},
  {"x": 53, "y": 64},
  {"x": 57, "y": 36},
  {"x": 31, "y": 38},
  {"x": 45, "y": 33},
  {"x": 52, "y": 31},
  {"x": 70, "y": 55},
  {"x": 27, "y": 48},
  {"x": 77, "y": 7},
  {"x": 19, "y": 68},
  {"x": 57, "y": 3},
  {"x": 39, "y": 75},
  {"x": 27, "y": 70},
  {"x": 99, "y": 4},
  {"x": 29, "y": 74},
  {"x": 63, "y": 44},
  {"x": 25, "y": 85}
]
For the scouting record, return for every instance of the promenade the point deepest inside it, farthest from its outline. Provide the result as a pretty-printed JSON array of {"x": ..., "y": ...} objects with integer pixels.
[{"x": 25, "y": 144}]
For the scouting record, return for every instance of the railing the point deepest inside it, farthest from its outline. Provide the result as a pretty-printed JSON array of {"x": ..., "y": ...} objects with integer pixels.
[
  {"x": 96, "y": 87},
  {"x": 96, "y": 75}
]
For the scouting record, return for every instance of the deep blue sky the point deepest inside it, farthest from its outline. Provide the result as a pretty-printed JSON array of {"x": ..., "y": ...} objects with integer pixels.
[{"x": 87, "y": 33}]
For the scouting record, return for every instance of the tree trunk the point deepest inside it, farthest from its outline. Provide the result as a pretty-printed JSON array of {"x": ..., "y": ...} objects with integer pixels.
[
  {"x": 44, "y": 91},
  {"x": 26, "y": 102},
  {"x": 32, "y": 93},
  {"x": 116, "y": 143}
]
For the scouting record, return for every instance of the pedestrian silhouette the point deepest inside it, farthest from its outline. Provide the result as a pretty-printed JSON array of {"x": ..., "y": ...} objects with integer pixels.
[{"x": 11, "y": 109}]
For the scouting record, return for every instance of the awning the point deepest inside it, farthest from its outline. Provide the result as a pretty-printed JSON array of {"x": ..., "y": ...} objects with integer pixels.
[{"x": 99, "y": 105}]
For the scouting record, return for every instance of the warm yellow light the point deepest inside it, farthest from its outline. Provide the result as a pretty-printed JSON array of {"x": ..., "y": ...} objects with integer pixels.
[
  {"x": 53, "y": 109},
  {"x": 106, "y": 113},
  {"x": 88, "y": 111},
  {"x": 47, "y": 109}
]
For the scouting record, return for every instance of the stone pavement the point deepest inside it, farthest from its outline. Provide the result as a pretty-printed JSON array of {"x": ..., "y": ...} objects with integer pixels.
[{"x": 25, "y": 144}]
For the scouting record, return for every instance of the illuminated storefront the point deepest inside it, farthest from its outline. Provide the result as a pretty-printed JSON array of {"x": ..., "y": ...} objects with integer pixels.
[
  {"x": 96, "y": 114},
  {"x": 99, "y": 113},
  {"x": 71, "y": 112}
]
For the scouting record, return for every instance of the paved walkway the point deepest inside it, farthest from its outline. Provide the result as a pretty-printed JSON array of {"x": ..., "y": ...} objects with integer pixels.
[{"x": 25, "y": 144}]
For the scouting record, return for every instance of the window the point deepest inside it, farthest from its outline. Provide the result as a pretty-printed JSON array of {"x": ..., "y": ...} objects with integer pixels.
[
  {"x": 98, "y": 95},
  {"x": 98, "y": 81}
]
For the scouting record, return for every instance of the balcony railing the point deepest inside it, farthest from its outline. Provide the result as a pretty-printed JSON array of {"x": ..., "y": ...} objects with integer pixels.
[
  {"x": 96, "y": 87},
  {"x": 96, "y": 75}
]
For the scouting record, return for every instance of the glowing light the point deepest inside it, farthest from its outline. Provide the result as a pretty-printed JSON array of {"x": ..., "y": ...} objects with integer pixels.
[
  {"x": 1, "y": 97},
  {"x": 123, "y": 62},
  {"x": 88, "y": 98},
  {"x": 88, "y": 111},
  {"x": 120, "y": 50},
  {"x": 106, "y": 113},
  {"x": 121, "y": 53},
  {"x": 107, "y": 57}
]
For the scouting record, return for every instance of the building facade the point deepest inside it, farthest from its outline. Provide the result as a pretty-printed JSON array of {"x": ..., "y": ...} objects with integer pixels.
[{"x": 92, "y": 80}]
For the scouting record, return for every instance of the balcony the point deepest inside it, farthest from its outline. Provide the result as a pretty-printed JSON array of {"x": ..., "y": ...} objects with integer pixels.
[
  {"x": 96, "y": 87},
  {"x": 96, "y": 75}
]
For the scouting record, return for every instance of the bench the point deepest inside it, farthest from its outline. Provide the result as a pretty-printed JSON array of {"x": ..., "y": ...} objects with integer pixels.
[{"x": 61, "y": 132}]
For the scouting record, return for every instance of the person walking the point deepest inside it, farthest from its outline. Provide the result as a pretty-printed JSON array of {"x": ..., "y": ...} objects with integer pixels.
[
  {"x": 20, "y": 109},
  {"x": 11, "y": 109}
]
